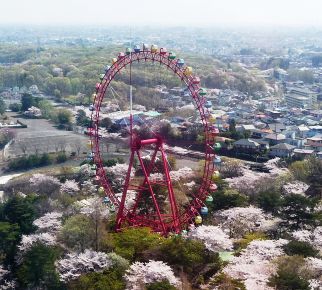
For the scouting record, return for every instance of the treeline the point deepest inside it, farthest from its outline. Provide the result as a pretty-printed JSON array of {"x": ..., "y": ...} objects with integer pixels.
[
  {"x": 35, "y": 160},
  {"x": 13, "y": 54},
  {"x": 62, "y": 117},
  {"x": 61, "y": 72}
]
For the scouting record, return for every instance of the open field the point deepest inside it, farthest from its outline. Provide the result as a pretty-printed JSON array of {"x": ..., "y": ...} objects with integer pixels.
[{"x": 42, "y": 137}]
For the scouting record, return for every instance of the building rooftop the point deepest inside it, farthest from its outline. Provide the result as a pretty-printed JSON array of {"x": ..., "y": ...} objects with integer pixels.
[
  {"x": 283, "y": 146},
  {"x": 246, "y": 142},
  {"x": 274, "y": 136}
]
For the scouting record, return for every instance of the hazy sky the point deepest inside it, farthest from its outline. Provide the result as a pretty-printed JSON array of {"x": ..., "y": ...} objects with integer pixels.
[{"x": 165, "y": 12}]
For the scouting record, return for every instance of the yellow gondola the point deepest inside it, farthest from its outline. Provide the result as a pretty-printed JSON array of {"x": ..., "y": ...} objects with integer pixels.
[
  {"x": 198, "y": 220},
  {"x": 188, "y": 71},
  {"x": 154, "y": 48}
]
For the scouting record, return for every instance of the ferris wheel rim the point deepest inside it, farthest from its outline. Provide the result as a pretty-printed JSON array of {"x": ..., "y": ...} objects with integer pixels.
[{"x": 163, "y": 58}]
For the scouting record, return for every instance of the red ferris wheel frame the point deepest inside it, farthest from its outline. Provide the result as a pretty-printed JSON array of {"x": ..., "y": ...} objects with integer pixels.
[{"x": 160, "y": 223}]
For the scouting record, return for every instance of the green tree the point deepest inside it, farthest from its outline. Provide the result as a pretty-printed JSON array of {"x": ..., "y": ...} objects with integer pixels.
[
  {"x": 106, "y": 123},
  {"x": 63, "y": 117},
  {"x": 9, "y": 237},
  {"x": 21, "y": 211},
  {"x": 131, "y": 243},
  {"x": 37, "y": 270},
  {"x": 46, "y": 108},
  {"x": 45, "y": 159},
  {"x": 3, "y": 106},
  {"x": 297, "y": 210},
  {"x": 189, "y": 255},
  {"x": 61, "y": 157},
  {"x": 57, "y": 94},
  {"x": 111, "y": 279},
  {"x": 82, "y": 119},
  {"x": 290, "y": 275},
  {"x": 300, "y": 170},
  {"x": 78, "y": 232},
  {"x": 269, "y": 201},
  {"x": 15, "y": 107},
  {"x": 225, "y": 282},
  {"x": 300, "y": 248},
  {"x": 245, "y": 241},
  {"x": 162, "y": 285},
  {"x": 227, "y": 198},
  {"x": 27, "y": 101}
]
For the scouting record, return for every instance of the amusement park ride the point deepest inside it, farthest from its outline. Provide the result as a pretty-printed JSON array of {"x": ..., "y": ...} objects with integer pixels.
[{"x": 174, "y": 220}]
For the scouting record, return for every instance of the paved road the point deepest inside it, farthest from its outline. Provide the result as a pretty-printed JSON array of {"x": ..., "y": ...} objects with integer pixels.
[{"x": 5, "y": 178}]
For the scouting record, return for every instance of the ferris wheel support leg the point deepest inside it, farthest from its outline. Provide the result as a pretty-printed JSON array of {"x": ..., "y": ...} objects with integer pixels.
[
  {"x": 120, "y": 212},
  {"x": 150, "y": 168},
  {"x": 152, "y": 193},
  {"x": 174, "y": 208}
]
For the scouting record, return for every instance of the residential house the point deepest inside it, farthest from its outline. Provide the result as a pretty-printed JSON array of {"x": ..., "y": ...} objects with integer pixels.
[
  {"x": 303, "y": 153},
  {"x": 277, "y": 127},
  {"x": 283, "y": 150},
  {"x": 250, "y": 145},
  {"x": 315, "y": 143},
  {"x": 275, "y": 138}
]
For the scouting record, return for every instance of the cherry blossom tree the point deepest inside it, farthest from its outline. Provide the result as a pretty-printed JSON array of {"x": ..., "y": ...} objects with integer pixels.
[
  {"x": 141, "y": 274},
  {"x": 88, "y": 187},
  {"x": 248, "y": 182},
  {"x": 92, "y": 206},
  {"x": 70, "y": 187},
  {"x": 48, "y": 228},
  {"x": 176, "y": 175},
  {"x": 130, "y": 197},
  {"x": 255, "y": 265},
  {"x": 231, "y": 168},
  {"x": 28, "y": 241},
  {"x": 76, "y": 264},
  {"x": 295, "y": 187},
  {"x": 213, "y": 237},
  {"x": 50, "y": 222},
  {"x": 5, "y": 282},
  {"x": 314, "y": 237},
  {"x": 315, "y": 266},
  {"x": 44, "y": 184},
  {"x": 241, "y": 220},
  {"x": 116, "y": 175},
  {"x": 86, "y": 172}
]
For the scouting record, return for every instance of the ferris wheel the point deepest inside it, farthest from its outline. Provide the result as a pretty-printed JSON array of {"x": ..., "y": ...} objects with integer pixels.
[{"x": 146, "y": 209}]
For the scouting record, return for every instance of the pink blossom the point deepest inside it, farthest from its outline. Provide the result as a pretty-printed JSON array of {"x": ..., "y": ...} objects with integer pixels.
[
  {"x": 254, "y": 265},
  {"x": 247, "y": 182},
  {"x": 69, "y": 187},
  {"x": 117, "y": 173},
  {"x": 140, "y": 274},
  {"x": 92, "y": 206},
  {"x": 241, "y": 220},
  {"x": 50, "y": 222},
  {"x": 176, "y": 175},
  {"x": 213, "y": 237},
  {"x": 44, "y": 184},
  {"x": 295, "y": 187},
  {"x": 88, "y": 187},
  {"x": 76, "y": 264},
  {"x": 28, "y": 241},
  {"x": 314, "y": 237},
  {"x": 86, "y": 171},
  {"x": 5, "y": 283}
]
